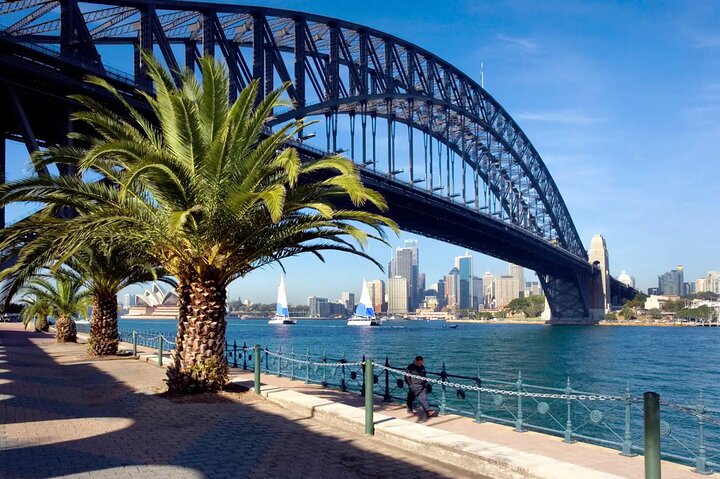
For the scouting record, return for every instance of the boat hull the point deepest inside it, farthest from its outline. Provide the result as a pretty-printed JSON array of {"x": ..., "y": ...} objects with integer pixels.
[
  {"x": 363, "y": 322},
  {"x": 282, "y": 321}
]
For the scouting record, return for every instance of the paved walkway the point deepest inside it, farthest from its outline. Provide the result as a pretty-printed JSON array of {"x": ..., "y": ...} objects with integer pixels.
[
  {"x": 62, "y": 414},
  {"x": 597, "y": 460}
]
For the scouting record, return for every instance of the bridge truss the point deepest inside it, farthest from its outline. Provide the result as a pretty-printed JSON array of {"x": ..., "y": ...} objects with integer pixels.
[{"x": 418, "y": 127}]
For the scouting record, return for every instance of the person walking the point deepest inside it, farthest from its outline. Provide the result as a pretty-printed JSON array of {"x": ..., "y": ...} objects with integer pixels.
[{"x": 417, "y": 387}]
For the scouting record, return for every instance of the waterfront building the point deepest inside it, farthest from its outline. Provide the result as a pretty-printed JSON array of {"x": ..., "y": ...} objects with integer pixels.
[
  {"x": 478, "y": 300},
  {"x": 441, "y": 293},
  {"x": 672, "y": 283},
  {"x": 348, "y": 301},
  {"x": 626, "y": 279},
  {"x": 690, "y": 288},
  {"x": 652, "y": 291},
  {"x": 377, "y": 294},
  {"x": 465, "y": 278},
  {"x": 700, "y": 285},
  {"x": 317, "y": 307},
  {"x": 398, "y": 295},
  {"x": 430, "y": 303},
  {"x": 155, "y": 303},
  {"x": 656, "y": 301},
  {"x": 421, "y": 285},
  {"x": 518, "y": 272},
  {"x": 126, "y": 301},
  {"x": 488, "y": 290}
]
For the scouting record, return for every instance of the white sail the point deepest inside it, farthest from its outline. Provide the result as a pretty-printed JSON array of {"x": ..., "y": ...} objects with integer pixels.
[
  {"x": 364, "y": 313},
  {"x": 281, "y": 308},
  {"x": 365, "y": 308},
  {"x": 282, "y": 315}
]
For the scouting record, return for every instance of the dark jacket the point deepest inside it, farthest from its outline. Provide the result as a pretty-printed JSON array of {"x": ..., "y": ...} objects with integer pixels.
[{"x": 415, "y": 383}]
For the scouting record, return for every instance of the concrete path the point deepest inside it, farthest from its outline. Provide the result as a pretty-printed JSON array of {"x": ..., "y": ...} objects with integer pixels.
[
  {"x": 493, "y": 449},
  {"x": 62, "y": 414}
]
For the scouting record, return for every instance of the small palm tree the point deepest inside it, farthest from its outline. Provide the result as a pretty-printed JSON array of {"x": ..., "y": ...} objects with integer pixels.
[
  {"x": 35, "y": 311},
  {"x": 64, "y": 299},
  {"x": 209, "y": 192},
  {"x": 102, "y": 269}
]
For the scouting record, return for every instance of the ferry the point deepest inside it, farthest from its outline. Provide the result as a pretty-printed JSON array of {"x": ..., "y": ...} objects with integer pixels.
[
  {"x": 282, "y": 316},
  {"x": 364, "y": 313}
]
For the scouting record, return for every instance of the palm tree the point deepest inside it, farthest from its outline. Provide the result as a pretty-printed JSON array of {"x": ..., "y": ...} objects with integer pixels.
[
  {"x": 102, "y": 269},
  {"x": 63, "y": 298},
  {"x": 210, "y": 193},
  {"x": 37, "y": 311}
]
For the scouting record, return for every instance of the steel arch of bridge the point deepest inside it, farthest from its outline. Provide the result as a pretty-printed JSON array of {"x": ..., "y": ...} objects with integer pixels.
[{"x": 336, "y": 68}]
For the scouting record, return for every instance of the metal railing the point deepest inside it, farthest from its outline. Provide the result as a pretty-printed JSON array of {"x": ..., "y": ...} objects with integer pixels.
[{"x": 690, "y": 434}]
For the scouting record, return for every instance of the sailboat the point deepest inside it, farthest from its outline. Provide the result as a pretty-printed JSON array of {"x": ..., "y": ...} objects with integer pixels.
[
  {"x": 282, "y": 316},
  {"x": 364, "y": 313}
]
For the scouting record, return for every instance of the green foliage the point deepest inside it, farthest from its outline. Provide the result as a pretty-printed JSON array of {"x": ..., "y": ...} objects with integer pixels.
[
  {"x": 531, "y": 306},
  {"x": 627, "y": 312},
  {"x": 674, "y": 306},
  {"x": 655, "y": 314},
  {"x": 610, "y": 317},
  {"x": 58, "y": 295},
  {"x": 638, "y": 302},
  {"x": 701, "y": 312},
  {"x": 500, "y": 314}
]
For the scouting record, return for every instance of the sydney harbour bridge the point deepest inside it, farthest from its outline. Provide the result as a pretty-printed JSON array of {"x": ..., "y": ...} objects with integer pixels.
[{"x": 450, "y": 160}]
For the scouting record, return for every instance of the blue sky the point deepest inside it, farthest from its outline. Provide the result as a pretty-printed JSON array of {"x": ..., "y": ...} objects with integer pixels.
[{"x": 621, "y": 99}]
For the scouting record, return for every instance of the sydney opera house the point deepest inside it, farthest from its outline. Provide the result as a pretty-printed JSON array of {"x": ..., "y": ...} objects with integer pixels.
[{"x": 155, "y": 303}]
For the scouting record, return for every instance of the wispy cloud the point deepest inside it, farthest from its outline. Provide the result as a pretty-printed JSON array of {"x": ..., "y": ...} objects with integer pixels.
[
  {"x": 525, "y": 44},
  {"x": 560, "y": 116}
]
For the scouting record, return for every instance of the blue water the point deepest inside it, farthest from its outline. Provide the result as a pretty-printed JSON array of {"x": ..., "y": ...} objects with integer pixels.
[{"x": 676, "y": 362}]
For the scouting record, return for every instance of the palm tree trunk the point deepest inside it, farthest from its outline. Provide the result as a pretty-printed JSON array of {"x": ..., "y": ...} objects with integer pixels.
[
  {"x": 183, "y": 291},
  {"x": 65, "y": 330},
  {"x": 104, "y": 325},
  {"x": 201, "y": 339}
]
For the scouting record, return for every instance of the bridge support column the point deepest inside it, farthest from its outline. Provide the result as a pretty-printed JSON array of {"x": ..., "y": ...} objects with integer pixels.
[{"x": 568, "y": 297}]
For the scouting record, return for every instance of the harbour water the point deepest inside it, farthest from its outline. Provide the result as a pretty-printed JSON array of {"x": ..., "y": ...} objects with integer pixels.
[{"x": 676, "y": 362}]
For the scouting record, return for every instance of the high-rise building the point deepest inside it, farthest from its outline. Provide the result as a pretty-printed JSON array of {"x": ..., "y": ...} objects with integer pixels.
[
  {"x": 348, "y": 300},
  {"x": 672, "y": 283},
  {"x": 452, "y": 288},
  {"x": 478, "y": 299},
  {"x": 405, "y": 268},
  {"x": 712, "y": 282},
  {"x": 126, "y": 301},
  {"x": 465, "y": 271},
  {"x": 690, "y": 288},
  {"x": 398, "y": 294},
  {"x": 318, "y": 307},
  {"x": 441, "y": 293},
  {"x": 700, "y": 285},
  {"x": 532, "y": 288},
  {"x": 421, "y": 285},
  {"x": 626, "y": 279},
  {"x": 376, "y": 289},
  {"x": 505, "y": 290},
  {"x": 488, "y": 289},
  {"x": 518, "y": 272}
]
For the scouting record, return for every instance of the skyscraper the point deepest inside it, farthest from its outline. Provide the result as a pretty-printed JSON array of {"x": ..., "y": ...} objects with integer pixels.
[
  {"x": 376, "y": 288},
  {"x": 488, "y": 289},
  {"x": 348, "y": 300},
  {"x": 465, "y": 272},
  {"x": 441, "y": 293},
  {"x": 505, "y": 290},
  {"x": 518, "y": 272},
  {"x": 478, "y": 300},
  {"x": 405, "y": 268},
  {"x": 452, "y": 288},
  {"x": 672, "y": 283},
  {"x": 712, "y": 282},
  {"x": 398, "y": 295}
]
